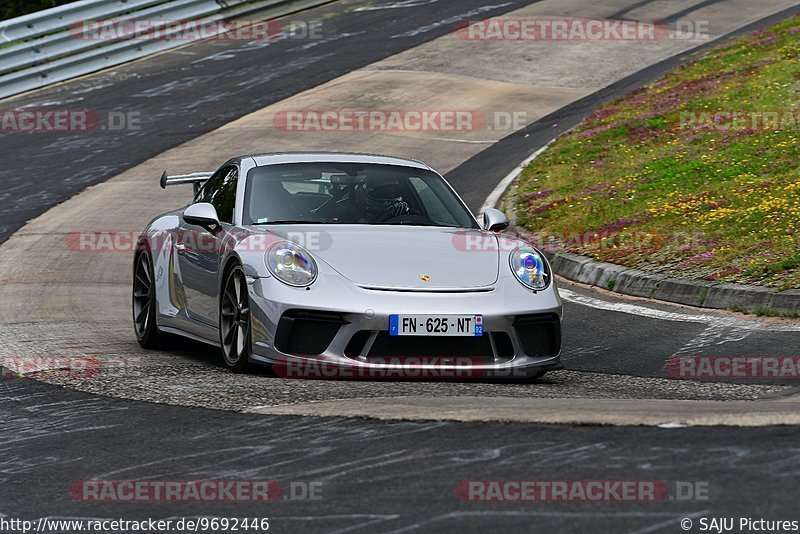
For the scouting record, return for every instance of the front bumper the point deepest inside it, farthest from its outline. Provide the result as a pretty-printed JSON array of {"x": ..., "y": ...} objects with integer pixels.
[{"x": 336, "y": 324}]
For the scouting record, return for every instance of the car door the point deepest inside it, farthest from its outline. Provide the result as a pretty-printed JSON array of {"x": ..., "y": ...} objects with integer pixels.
[{"x": 199, "y": 248}]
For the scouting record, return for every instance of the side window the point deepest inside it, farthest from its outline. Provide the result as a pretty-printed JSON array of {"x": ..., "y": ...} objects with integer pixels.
[
  {"x": 211, "y": 184},
  {"x": 220, "y": 191}
]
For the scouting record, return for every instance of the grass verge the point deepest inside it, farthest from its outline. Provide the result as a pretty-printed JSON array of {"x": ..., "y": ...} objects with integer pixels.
[{"x": 696, "y": 175}]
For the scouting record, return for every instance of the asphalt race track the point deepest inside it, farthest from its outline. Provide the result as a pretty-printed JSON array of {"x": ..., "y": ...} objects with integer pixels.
[
  {"x": 196, "y": 102},
  {"x": 376, "y": 475},
  {"x": 379, "y": 477}
]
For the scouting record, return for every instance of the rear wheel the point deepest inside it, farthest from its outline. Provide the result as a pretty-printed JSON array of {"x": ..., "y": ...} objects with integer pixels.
[
  {"x": 234, "y": 321},
  {"x": 144, "y": 303}
]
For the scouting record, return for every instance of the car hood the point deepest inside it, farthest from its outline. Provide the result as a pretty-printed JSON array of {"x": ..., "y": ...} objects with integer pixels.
[{"x": 406, "y": 257}]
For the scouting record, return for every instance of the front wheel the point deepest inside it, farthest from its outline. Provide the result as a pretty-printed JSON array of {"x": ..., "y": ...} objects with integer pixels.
[
  {"x": 234, "y": 321},
  {"x": 144, "y": 303}
]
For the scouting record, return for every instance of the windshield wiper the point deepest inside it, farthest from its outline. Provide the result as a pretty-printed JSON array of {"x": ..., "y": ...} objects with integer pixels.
[
  {"x": 417, "y": 223},
  {"x": 297, "y": 221}
]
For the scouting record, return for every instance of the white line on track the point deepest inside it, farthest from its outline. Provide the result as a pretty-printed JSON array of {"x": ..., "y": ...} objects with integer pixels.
[
  {"x": 450, "y": 20},
  {"x": 713, "y": 335},
  {"x": 653, "y": 313},
  {"x": 397, "y": 5}
]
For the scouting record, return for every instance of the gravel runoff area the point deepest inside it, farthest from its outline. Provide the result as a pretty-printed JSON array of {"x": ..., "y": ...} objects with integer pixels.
[{"x": 191, "y": 375}]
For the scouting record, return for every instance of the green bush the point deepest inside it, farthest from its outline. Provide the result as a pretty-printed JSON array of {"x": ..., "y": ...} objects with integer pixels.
[{"x": 15, "y": 8}]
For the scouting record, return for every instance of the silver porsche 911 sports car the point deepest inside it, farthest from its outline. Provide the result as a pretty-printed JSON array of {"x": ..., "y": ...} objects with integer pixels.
[{"x": 347, "y": 261}]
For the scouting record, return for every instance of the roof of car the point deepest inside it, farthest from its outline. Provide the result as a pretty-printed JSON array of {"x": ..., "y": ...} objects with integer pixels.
[{"x": 333, "y": 157}]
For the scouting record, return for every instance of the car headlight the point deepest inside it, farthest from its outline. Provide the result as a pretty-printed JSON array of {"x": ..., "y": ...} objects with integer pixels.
[
  {"x": 291, "y": 264},
  {"x": 530, "y": 268}
]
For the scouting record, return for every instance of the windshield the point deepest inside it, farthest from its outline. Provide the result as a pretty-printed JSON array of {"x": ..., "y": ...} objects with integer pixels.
[{"x": 349, "y": 193}]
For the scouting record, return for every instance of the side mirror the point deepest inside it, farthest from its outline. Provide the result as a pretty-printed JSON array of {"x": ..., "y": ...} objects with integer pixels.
[
  {"x": 495, "y": 220},
  {"x": 201, "y": 214}
]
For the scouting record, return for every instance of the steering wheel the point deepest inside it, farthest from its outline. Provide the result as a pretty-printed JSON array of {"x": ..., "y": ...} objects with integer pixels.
[{"x": 397, "y": 210}]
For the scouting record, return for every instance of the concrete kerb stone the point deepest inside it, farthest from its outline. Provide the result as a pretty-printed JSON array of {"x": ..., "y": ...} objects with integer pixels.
[
  {"x": 681, "y": 291},
  {"x": 601, "y": 274},
  {"x": 786, "y": 301},
  {"x": 568, "y": 265},
  {"x": 638, "y": 283},
  {"x": 727, "y": 296},
  {"x": 698, "y": 293}
]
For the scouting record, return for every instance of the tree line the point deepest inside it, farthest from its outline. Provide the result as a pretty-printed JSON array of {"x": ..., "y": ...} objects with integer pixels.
[{"x": 15, "y": 8}]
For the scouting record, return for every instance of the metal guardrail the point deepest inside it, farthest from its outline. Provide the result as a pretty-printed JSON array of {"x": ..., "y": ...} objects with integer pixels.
[{"x": 42, "y": 48}]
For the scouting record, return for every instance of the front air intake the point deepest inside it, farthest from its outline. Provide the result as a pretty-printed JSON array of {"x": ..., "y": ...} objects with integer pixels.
[
  {"x": 306, "y": 332},
  {"x": 540, "y": 335}
]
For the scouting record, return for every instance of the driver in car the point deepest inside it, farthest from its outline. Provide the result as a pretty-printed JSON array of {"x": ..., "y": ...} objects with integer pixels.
[
  {"x": 379, "y": 202},
  {"x": 362, "y": 200}
]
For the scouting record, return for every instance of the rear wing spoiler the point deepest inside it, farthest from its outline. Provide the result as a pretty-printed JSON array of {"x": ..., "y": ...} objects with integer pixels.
[{"x": 195, "y": 178}]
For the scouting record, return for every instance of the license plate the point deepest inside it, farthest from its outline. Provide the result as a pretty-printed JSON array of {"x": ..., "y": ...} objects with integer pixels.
[{"x": 436, "y": 325}]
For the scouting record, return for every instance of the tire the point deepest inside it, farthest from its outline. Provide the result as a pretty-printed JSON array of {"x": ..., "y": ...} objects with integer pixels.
[
  {"x": 143, "y": 303},
  {"x": 235, "y": 322}
]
